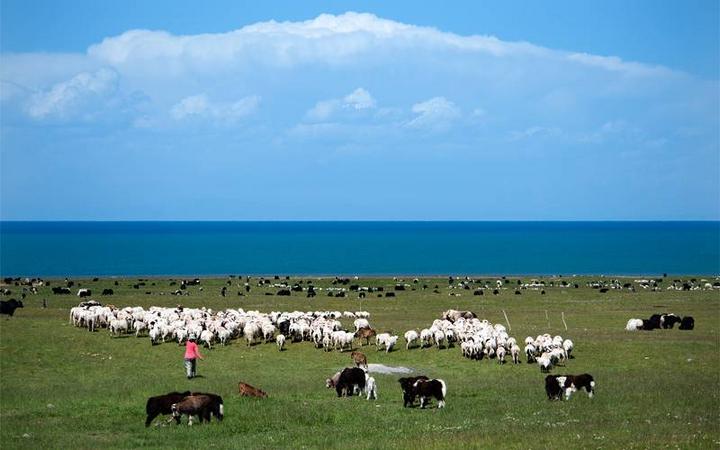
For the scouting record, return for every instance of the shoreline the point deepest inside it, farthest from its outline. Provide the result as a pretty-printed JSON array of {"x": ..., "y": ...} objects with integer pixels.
[{"x": 359, "y": 275}]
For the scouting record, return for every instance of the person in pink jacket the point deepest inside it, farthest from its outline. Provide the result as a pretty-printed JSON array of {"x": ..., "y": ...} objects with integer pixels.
[{"x": 192, "y": 353}]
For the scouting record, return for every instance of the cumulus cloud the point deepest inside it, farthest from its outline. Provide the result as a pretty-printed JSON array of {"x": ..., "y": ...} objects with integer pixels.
[
  {"x": 72, "y": 96},
  {"x": 329, "y": 39},
  {"x": 437, "y": 113},
  {"x": 293, "y": 66},
  {"x": 357, "y": 100},
  {"x": 200, "y": 107}
]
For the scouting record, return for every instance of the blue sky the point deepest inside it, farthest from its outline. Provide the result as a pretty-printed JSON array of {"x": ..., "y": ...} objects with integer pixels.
[{"x": 359, "y": 110}]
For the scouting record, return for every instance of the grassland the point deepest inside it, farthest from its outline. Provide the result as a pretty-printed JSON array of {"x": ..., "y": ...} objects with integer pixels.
[{"x": 64, "y": 387}]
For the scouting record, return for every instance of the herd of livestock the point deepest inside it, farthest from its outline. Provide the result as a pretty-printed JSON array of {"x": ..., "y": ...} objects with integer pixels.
[{"x": 477, "y": 340}]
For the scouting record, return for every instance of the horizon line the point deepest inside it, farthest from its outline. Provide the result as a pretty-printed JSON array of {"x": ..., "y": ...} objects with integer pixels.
[{"x": 343, "y": 220}]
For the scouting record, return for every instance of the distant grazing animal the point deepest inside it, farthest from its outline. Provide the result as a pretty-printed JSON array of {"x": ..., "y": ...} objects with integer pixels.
[
  {"x": 107, "y": 292},
  {"x": 365, "y": 333},
  {"x": 246, "y": 390},
  {"x": 8, "y": 307},
  {"x": 332, "y": 381},
  {"x": 359, "y": 358},
  {"x": 162, "y": 404},
  {"x": 350, "y": 378},
  {"x": 193, "y": 405},
  {"x": 634, "y": 325},
  {"x": 370, "y": 387},
  {"x": 668, "y": 321},
  {"x": 406, "y": 384},
  {"x": 84, "y": 293},
  {"x": 687, "y": 323},
  {"x": 61, "y": 290},
  {"x": 556, "y": 385},
  {"x": 454, "y": 315},
  {"x": 426, "y": 389}
]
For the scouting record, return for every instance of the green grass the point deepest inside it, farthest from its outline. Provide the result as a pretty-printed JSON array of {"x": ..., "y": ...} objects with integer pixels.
[{"x": 63, "y": 387}]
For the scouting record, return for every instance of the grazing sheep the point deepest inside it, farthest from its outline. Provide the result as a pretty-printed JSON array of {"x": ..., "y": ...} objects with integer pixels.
[
  {"x": 207, "y": 337},
  {"x": 118, "y": 327},
  {"x": 501, "y": 355},
  {"x": 515, "y": 353},
  {"x": 568, "y": 346},
  {"x": 530, "y": 353},
  {"x": 439, "y": 337},
  {"x": 390, "y": 343},
  {"x": 545, "y": 362},
  {"x": 426, "y": 338},
  {"x": 361, "y": 323},
  {"x": 370, "y": 387},
  {"x": 634, "y": 325},
  {"x": 280, "y": 339},
  {"x": 411, "y": 336}
]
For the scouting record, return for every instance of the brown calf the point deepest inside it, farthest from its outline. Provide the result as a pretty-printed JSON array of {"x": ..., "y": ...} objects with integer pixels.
[
  {"x": 359, "y": 358},
  {"x": 249, "y": 391},
  {"x": 365, "y": 333}
]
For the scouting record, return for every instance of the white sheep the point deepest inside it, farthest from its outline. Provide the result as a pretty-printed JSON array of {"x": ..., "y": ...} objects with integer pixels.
[
  {"x": 439, "y": 338},
  {"x": 545, "y": 362},
  {"x": 410, "y": 337},
  {"x": 370, "y": 387},
  {"x": 634, "y": 325},
  {"x": 390, "y": 343},
  {"x": 380, "y": 340},
  {"x": 118, "y": 326},
  {"x": 501, "y": 355},
  {"x": 530, "y": 353},
  {"x": 223, "y": 335},
  {"x": 280, "y": 339},
  {"x": 568, "y": 346},
  {"x": 361, "y": 323},
  {"x": 207, "y": 337},
  {"x": 515, "y": 353},
  {"x": 426, "y": 337}
]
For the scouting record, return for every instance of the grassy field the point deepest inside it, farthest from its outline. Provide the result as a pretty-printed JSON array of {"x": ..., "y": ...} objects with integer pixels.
[{"x": 64, "y": 387}]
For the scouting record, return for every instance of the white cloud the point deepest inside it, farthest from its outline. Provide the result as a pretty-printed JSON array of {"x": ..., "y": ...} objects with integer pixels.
[
  {"x": 536, "y": 132},
  {"x": 195, "y": 105},
  {"x": 436, "y": 113},
  {"x": 322, "y": 110},
  {"x": 357, "y": 100},
  {"x": 329, "y": 39},
  {"x": 69, "y": 97},
  {"x": 615, "y": 64},
  {"x": 199, "y": 106}
]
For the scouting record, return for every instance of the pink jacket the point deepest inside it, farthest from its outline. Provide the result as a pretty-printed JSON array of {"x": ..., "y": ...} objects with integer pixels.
[{"x": 191, "y": 351}]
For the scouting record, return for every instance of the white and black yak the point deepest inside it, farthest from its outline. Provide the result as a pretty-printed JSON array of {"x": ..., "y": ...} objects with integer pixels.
[{"x": 556, "y": 385}]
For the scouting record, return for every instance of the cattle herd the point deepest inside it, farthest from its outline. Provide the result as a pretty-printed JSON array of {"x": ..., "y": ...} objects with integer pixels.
[{"x": 661, "y": 321}]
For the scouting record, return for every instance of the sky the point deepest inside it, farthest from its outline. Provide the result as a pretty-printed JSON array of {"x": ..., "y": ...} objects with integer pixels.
[{"x": 134, "y": 110}]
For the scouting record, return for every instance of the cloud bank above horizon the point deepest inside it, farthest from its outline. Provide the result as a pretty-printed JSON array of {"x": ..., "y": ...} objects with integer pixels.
[{"x": 413, "y": 112}]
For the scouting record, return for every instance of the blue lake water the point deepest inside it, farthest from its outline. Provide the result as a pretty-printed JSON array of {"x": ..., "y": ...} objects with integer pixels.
[{"x": 380, "y": 248}]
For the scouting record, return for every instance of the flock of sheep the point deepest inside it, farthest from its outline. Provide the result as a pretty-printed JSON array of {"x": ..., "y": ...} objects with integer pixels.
[
  {"x": 478, "y": 339},
  {"x": 219, "y": 327}
]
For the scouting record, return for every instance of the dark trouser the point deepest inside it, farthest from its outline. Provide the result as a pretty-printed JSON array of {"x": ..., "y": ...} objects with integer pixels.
[{"x": 190, "y": 366}]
